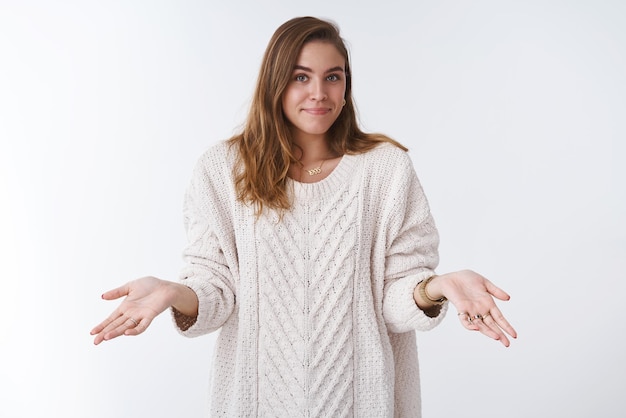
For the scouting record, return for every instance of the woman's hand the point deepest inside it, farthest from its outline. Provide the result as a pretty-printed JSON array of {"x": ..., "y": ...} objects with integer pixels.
[
  {"x": 473, "y": 296},
  {"x": 145, "y": 299}
]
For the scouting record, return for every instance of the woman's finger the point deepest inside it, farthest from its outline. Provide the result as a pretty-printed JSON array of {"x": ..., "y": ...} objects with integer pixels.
[
  {"x": 114, "y": 328},
  {"x": 104, "y": 324},
  {"x": 124, "y": 324},
  {"x": 496, "y": 291},
  {"x": 490, "y": 329},
  {"x": 466, "y": 321},
  {"x": 116, "y": 293},
  {"x": 108, "y": 331},
  {"x": 140, "y": 327},
  {"x": 501, "y": 322},
  {"x": 487, "y": 325},
  {"x": 477, "y": 320}
]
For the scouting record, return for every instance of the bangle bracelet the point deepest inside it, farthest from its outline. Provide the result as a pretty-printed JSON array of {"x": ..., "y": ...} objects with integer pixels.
[{"x": 422, "y": 291}]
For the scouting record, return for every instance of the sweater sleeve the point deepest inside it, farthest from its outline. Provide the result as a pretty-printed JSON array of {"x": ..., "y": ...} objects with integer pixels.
[
  {"x": 207, "y": 271},
  {"x": 411, "y": 255}
]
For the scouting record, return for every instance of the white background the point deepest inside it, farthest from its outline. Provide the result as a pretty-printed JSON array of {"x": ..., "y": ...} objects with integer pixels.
[{"x": 514, "y": 113}]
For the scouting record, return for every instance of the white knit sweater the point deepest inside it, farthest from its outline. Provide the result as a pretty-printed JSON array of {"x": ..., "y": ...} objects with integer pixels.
[{"x": 316, "y": 310}]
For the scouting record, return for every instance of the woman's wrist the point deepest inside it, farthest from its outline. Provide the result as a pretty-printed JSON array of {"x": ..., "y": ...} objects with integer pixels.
[
  {"x": 436, "y": 300},
  {"x": 184, "y": 299},
  {"x": 428, "y": 294}
]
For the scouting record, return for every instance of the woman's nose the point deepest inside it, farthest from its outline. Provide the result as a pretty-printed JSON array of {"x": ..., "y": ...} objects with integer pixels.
[{"x": 317, "y": 91}]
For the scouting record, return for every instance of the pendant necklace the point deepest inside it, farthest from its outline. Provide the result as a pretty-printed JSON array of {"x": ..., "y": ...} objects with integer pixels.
[{"x": 316, "y": 170}]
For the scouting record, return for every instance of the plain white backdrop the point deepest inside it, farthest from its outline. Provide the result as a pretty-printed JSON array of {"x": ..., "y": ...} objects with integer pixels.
[{"x": 514, "y": 113}]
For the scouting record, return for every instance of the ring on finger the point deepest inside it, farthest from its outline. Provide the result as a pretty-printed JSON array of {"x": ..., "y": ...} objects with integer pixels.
[
  {"x": 133, "y": 321},
  {"x": 477, "y": 316},
  {"x": 486, "y": 315}
]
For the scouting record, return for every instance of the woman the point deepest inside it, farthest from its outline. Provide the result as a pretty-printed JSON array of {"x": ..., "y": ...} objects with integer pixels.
[{"x": 312, "y": 248}]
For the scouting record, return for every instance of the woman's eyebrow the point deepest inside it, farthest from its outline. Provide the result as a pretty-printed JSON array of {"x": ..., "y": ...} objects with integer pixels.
[{"x": 307, "y": 69}]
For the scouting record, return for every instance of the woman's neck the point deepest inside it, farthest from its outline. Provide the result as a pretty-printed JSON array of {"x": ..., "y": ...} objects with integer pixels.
[
  {"x": 315, "y": 159},
  {"x": 311, "y": 149}
]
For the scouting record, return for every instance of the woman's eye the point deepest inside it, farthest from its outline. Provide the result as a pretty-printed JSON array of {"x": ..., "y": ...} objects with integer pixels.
[
  {"x": 333, "y": 77},
  {"x": 301, "y": 78}
]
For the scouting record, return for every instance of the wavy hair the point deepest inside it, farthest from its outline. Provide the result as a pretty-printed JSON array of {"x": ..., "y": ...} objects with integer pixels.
[{"x": 264, "y": 146}]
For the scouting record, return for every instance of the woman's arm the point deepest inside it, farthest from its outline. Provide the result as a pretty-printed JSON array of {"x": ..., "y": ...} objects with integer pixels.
[{"x": 411, "y": 254}]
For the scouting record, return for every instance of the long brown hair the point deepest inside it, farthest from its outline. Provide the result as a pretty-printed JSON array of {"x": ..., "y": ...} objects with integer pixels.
[{"x": 265, "y": 146}]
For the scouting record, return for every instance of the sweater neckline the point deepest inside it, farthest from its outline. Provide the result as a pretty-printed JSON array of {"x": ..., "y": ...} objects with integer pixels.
[{"x": 335, "y": 180}]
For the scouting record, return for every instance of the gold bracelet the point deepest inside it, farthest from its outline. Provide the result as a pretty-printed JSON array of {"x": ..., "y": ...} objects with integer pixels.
[{"x": 422, "y": 291}]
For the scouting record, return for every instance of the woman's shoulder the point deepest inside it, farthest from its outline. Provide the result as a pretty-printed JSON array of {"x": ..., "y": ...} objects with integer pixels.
[
  {"x": 221, "y": 149},
  {"x": 215, "y": 162},
  {"x": 389, "y": 157},
  {"x": 220, "y": 153}
]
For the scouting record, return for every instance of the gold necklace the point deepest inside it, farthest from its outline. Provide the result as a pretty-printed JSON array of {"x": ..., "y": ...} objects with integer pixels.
[{"x": 316, "y": 170}]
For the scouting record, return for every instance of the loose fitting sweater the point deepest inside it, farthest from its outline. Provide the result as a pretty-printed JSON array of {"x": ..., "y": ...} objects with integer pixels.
[{"x": 315, "y": 310}]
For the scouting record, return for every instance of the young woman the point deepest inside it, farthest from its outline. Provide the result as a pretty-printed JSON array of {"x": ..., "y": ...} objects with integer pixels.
[{"x": 312, "y": 248}]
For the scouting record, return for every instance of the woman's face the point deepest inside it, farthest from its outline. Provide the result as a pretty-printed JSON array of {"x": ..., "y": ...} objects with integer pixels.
[{"x": 314, "y": 97}]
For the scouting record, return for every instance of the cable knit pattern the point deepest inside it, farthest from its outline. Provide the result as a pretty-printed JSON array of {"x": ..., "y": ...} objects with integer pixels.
[{"x": 316, "y": 309}]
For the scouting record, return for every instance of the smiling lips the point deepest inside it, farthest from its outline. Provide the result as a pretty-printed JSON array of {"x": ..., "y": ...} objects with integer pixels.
[{"x": 317, "y": 110}]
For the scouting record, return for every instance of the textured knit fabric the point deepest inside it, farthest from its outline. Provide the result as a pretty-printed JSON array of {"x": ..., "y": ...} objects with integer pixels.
[{"x": 316, "y": 309}]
